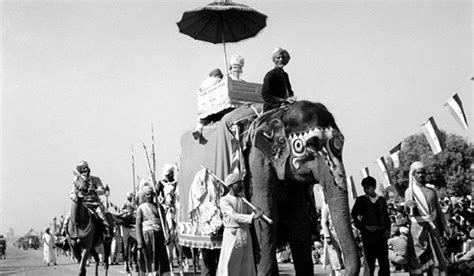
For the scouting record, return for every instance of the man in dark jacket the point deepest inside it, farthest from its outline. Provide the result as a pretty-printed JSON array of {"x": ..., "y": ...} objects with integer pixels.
[
  {"x": 370, "y": 216},
  {"x": 276, "y": 88}
]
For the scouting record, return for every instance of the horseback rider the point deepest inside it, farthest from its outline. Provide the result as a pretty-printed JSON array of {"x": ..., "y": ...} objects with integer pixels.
[{"x": 91, "y": 194}]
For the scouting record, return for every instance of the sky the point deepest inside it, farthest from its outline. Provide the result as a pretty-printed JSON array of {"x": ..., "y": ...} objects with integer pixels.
[{"x": 84, "y": 80}]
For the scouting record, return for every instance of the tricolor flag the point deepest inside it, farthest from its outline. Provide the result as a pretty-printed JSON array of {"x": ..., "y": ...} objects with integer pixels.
[
  {"x": 351, "y": 189},
  {"x": 433, "y": 136},
  {"x": 394, "y": 154},
  {"x": 365, "y": 172},
  {"x": 383, "y": 168},
  {"x": 457, "y": 111}
]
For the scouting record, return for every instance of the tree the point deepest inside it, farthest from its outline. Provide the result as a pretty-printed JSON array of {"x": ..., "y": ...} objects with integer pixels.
[{"x": 450, "y": 170}]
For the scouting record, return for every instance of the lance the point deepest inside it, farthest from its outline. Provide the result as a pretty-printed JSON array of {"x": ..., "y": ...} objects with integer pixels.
[
  {"x": 264, "y": 217},
  {"x": 154, "y": 190},
  {"x": 153, "y": 158},
  {"x": 133, "y": 171}
]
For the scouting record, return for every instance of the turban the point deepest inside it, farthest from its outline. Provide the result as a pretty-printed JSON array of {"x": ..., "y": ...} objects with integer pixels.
[
  {"x": 416, "y": 165},
  {"x": 413, "y": 167},
  {"x": 167, "y": 168},
  {"x": 148, "y": 189},
  {"x": 404, "y": 230},
  {"x": 232, "y": 179},
  {"x": 216, "y": 73},
  {"x": 82, "y": 163},
  {"x": 282, "y": 51},
  {"x": 238, "y": 60}
]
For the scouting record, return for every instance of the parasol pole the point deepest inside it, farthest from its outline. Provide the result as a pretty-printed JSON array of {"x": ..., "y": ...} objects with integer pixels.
[{"x": 225, "y": 55}]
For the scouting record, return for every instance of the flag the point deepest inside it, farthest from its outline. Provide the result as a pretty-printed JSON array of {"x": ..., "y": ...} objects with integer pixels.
[
  {"x": 457, "y": 111},
  {"x": 383, "y": 168},
  {"x": 365, "y": 172},
  {"x": 351, "y": 189},
  {"x": 433, "y": 136},
  {"x": 394, "y": 154}
]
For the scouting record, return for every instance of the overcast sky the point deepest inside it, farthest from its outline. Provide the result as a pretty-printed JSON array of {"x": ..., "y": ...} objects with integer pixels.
[{"x": 84, "y": 81}]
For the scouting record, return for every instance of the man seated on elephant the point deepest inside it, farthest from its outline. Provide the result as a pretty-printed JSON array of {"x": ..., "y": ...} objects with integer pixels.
[
  {"x": 276, "y": 89},
  {"x": 91, "y": 194}
]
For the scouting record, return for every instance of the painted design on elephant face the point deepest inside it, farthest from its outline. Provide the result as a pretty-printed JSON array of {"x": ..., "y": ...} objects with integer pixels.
[
  {"x": 323, "y": 142},
  {"x": 332, "y": 152},
  {"x": 305, "y": 143}
]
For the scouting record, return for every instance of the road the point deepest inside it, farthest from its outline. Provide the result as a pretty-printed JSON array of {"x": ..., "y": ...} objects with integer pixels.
[{"x": 30, "y": 262}]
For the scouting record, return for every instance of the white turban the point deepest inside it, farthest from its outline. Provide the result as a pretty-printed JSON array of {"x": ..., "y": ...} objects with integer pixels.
[
  {"x": 404, "y": 230},
  {"x": 148, "y": 189},
  {"x": 238, "y": 60},
  {"x": 278, "y": 51},
  {"x": 232, "y": 179}
]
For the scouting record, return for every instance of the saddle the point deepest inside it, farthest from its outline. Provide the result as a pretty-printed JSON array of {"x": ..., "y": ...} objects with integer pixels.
[{"x": 76, "y": 232}]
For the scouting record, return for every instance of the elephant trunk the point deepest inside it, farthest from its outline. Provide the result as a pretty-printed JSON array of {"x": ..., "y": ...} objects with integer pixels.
[{"x": 337, "y": 200}]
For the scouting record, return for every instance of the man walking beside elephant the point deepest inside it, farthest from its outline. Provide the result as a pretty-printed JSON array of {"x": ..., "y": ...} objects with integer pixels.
[{"x": 370, "y": 216}]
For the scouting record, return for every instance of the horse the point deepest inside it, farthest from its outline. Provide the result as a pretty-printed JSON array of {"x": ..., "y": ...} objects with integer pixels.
[
  {"x": 84, "y": 233},
  {"x": 126, "y": 221}
]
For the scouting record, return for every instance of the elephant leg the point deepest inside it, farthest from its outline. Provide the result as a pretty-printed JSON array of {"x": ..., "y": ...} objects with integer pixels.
[
  {"x": 265, "y": 249},
  {"x": 262, "y": 186}
]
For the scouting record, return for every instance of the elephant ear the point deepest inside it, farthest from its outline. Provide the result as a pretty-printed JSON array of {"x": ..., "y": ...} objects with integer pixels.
[{"x": 271, "y": 140}]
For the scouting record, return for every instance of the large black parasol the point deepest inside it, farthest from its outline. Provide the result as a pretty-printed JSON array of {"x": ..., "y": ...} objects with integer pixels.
[{"x": 221, "y": 22}]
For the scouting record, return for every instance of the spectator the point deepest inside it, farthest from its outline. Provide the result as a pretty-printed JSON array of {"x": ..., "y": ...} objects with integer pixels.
[
  {"x": 48, "y": 248},
  {"x": 370, "y": 216},
  {"x": 397, "y": 248},
  {"x": 427, "y": 224}
]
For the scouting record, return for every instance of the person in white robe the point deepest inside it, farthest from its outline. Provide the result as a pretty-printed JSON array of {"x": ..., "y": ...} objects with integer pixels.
[
  {"x": 236, "y": 257},
  {"x": 49, "y": 256},
  {"x": 425, "y": 252}
]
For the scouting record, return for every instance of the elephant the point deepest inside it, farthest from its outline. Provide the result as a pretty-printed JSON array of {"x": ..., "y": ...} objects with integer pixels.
[{"x": 288, "y": 151}]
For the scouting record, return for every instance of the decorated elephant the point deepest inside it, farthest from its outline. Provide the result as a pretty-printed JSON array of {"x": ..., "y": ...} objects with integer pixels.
[
  {"x": 285, "y": 152},
  {"x": 290, "y": 150}
]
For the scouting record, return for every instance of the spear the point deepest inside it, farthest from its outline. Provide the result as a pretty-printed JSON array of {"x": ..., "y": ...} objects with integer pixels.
[
  {"x": 153, "y": 158},
  {"x": 154, "y": 190},
  {"x": 264, "y": 217},
  {"x": 133, "y": 171}
]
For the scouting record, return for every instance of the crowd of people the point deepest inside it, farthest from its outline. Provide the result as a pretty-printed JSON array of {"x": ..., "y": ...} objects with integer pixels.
[{"x": 421, "y": 234}]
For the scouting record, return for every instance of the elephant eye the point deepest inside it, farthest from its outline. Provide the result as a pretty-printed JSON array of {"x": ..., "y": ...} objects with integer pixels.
[
  {"x": 298, "y": 146},
  {"x": 281, "y": 140},
  {"x": 336, "y": 146},
  {"x": 314, "y": 143}
]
